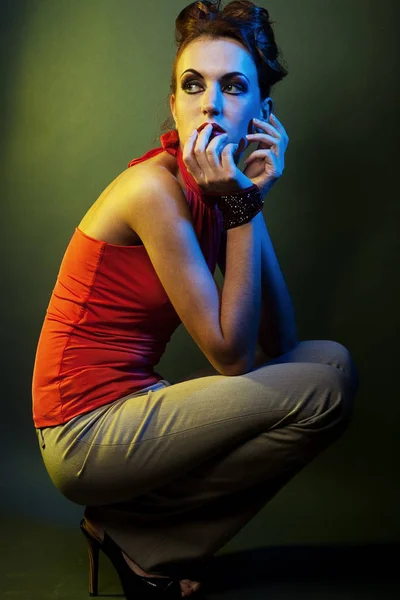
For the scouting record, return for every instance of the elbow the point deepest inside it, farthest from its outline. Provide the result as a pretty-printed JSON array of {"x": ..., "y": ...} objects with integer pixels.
[
  {"x": 232, "y": 364},
  {"x": 239, "y": 367}
]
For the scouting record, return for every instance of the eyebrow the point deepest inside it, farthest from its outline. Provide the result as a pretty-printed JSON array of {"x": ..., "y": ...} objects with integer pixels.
[{"x": 226, "y": 76}]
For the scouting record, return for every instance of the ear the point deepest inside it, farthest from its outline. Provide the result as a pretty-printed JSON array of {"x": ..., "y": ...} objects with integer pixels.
[
  {"x": 267, "y": 108},
  {"x": 172, "y": 106}
]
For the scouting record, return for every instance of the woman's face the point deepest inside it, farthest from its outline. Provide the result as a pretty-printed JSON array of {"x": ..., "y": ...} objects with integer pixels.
[{"x": 213, "y": 94}]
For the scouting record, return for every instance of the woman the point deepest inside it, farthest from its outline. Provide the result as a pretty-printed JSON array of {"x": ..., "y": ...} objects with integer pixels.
[{"x": 168, "y": 473}]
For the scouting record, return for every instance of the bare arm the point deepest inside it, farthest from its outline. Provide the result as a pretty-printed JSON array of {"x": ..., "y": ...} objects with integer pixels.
[
  {"x": 241, "y": 292},
  {"x": 277, "y": 328},
  {"x": 223, "y": 323}
]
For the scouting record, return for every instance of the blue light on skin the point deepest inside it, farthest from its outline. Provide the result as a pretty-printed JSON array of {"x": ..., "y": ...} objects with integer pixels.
[{"x": 231, "y": 101}]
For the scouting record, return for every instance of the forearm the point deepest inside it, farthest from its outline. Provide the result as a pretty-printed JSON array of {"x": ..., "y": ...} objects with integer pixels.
[
  {"x": 277, "y": 332},
  {"x": 240, "y": 303}
]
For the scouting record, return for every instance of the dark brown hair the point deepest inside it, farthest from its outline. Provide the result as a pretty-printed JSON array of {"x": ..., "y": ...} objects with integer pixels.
[{"x": 240, "y": 20}]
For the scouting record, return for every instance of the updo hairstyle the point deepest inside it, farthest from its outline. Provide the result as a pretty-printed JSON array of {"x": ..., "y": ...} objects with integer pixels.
[{"x": 241, "y": 20}]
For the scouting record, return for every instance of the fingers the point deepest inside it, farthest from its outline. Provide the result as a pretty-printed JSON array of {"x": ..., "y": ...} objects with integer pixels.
[
  {"x": 261, "y": 155},
  {"x": 219, "y": 156},
  {"x": 275, "y": 127},
  {"x": 193, "y": 154},
  {"x": 263, "y": 137},
  {"x": 228, "y": 160},
  {"x": 205, "y": 158},
  {"x": 188, "y": 156},
  {"x": 276, "y": 165},
  {"x": 217, "y": 160},
  {"x": 208, "y": 155},
  {"x": 278, "y": 124}
]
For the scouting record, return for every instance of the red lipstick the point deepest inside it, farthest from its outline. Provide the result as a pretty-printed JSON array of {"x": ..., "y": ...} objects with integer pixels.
[{"x": 216, "y": 129}]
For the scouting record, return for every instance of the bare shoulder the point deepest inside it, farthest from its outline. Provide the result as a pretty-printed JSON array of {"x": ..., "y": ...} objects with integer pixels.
[
  {"x": 143, "y": 173},
  {"x": 150, "y": 186},
  {"x": 157, "y": 164}
]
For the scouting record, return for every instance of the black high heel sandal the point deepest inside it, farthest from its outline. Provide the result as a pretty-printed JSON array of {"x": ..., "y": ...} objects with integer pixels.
[{"x": 135, "y": 587}]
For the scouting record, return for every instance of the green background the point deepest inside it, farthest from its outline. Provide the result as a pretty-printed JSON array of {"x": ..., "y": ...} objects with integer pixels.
[{"x": 85, "y": 87}]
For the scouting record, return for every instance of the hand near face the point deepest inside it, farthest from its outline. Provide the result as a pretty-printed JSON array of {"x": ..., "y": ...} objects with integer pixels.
[
  {"x": 266, "y": 164},
  {"x": 211, "y": 162}
]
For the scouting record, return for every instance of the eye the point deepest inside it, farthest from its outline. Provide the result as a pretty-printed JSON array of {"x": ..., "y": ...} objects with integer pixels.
[
  {"x": 186, "y": 85},
  {"x": 236, "y": 85}
]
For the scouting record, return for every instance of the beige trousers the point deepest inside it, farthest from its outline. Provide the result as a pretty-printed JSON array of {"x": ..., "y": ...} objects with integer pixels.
[{"x": 173, "y": 472}]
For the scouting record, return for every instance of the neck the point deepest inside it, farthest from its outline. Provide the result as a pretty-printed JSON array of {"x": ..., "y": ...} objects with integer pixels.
[{"x": 179, "y": 177}]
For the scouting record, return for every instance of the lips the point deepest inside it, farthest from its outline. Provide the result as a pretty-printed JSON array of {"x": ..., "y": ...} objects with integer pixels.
[{"x": 216, "y": 129}]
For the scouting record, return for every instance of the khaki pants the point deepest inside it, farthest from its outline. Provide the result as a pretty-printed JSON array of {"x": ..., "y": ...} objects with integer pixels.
[{"x": 174, "y": 471}]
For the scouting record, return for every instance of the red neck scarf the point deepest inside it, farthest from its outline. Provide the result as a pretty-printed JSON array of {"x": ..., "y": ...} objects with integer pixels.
[{"x": 170, "y": 143}]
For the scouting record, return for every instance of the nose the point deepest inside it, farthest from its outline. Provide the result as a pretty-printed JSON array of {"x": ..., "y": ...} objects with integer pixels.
[{"x": 211, "y": 101}]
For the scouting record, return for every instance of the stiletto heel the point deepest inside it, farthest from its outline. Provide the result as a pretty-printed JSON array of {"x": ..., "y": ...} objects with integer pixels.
[
  {"x": 93, "y": 551},
  {"x": 135, "y": 587}
]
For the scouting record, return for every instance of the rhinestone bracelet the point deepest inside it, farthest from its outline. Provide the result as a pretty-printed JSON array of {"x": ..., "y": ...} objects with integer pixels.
[{"x": 240, "y": 207}]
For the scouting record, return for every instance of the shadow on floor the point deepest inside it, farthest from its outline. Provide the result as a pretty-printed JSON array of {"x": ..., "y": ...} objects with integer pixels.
[{"x": 42, "y": 561}]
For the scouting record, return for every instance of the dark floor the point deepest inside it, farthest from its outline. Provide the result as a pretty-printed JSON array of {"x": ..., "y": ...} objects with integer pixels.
[{"x": 43, "y": 562}]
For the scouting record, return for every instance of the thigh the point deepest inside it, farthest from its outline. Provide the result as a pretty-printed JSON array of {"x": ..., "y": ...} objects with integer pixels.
[
  {"x": 140, "y": 443},
  {"x": 327, "y": 352}
]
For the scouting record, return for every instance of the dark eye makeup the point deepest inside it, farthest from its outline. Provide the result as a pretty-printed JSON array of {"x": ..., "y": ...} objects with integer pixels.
[{"x": 189, "y": 82}]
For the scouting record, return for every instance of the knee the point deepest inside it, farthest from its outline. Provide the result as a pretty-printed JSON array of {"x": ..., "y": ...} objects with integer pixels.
[
  {"x": 329, "y": 408},
  {"x": 337, "y": 355},
  {"x": 341, "y": 397},
  {"x": 344, "y": 361}
]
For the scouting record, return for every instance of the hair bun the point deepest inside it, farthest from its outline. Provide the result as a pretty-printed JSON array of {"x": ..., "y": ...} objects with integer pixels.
[
  {"x": 259, "y": 23},
  {"x": 191, "y": 14}
]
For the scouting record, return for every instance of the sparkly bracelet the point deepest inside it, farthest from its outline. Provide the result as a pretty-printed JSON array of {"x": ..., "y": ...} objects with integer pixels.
[{"x": 240, "y": 207}]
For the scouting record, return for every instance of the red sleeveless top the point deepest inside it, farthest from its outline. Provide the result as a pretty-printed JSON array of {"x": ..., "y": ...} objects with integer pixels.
[{"x": 109, "y": 319}]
